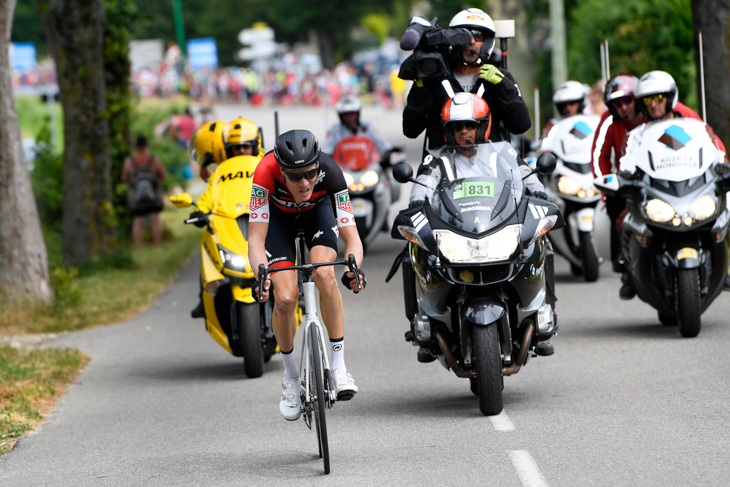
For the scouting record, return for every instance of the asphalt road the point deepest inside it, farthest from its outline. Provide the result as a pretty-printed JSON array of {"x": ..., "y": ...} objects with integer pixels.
[{"x": 624, "y": 400}]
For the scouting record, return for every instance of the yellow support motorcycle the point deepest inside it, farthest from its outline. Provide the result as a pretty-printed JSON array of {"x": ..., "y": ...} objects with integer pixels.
[{"x": 232, "y": 317}]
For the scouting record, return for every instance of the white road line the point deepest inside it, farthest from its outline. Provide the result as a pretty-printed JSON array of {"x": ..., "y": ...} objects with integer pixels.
[
  {"x": 501, "y": 422},
  {"x": 527, "y": 469}
]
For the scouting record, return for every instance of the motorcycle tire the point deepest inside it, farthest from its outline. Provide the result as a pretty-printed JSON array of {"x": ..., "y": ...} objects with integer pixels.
[
  {"x": 689, "y": 302},
  {"x": 249, "y": 331},
  {"x": 590, "y": 259},
  {"x": 489, "y": 369}
]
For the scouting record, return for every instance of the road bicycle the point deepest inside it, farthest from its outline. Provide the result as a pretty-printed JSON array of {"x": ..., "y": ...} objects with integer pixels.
[{"x": 317, "y": 387}]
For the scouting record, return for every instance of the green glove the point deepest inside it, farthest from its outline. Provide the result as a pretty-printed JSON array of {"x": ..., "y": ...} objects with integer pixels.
[{"x": 491, "y": 74}]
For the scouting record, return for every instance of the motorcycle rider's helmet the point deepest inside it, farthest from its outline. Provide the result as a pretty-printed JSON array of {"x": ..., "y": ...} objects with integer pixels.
[
  {"x": 242, "y": 132},
  {"x": 569, "y": 92},
  {"x": 476, "y": 19},
  {"x": 296, "y": 149},
  {"x": 207, "y": 145},
  {"x": 654, "y": 83},
  {"x": 465, "y": 107},
  {"x": 619, "y": 86},
  {"x": 348, "y": 104}
]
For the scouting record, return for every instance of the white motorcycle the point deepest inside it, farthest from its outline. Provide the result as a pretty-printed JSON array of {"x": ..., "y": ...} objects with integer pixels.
[
  {"x": 370, "y": 183},
  {"x": 571, "y": 188}
]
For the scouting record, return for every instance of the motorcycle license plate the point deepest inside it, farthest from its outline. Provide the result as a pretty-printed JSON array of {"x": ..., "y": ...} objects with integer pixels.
[{"x": 687, "y": 253}]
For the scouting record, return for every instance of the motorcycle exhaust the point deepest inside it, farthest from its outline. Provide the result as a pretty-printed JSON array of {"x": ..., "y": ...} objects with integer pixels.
[
  {"x": 517, "y": 365},
  {"x": 471, "y": 374}
]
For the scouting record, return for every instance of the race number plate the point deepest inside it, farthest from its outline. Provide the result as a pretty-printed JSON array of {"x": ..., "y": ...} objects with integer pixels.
[{"x": 476, "y": 189}]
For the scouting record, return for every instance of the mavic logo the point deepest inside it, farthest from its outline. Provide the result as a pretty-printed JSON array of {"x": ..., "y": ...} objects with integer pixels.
[
  {"x": 419, "y": 221},
  {"x": 538, "y": 211},
  {"x": 581, "y": 130},
  {"x": 675, "y": 137}
]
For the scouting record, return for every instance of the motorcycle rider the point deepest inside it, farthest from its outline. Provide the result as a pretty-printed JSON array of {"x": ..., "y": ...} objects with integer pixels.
[
  {"x": 467, "y": 122},
  {"x": 348, "y": 109},
  {"x": 242, "y": 138},
  {"x": 296, "y": 186},
  {"x": 569, "y": 99},
  {"x": 657, "y": 94},
  {"x": 468, "y": 74}
]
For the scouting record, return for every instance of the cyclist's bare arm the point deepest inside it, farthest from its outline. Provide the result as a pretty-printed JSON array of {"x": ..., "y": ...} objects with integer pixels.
[
  {"x": 257, "y": 251},
  {"x": 353, "y": 245}
]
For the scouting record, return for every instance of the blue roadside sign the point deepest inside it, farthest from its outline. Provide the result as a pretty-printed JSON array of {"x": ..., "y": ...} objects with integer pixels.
[
  {"x": 202, "y": 53},
  {"x": 22, "y": 56}
]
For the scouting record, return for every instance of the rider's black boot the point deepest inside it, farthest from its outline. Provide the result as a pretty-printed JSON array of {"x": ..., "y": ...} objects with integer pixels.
[
  {"x": 425, "y": 356},
  {"x": 198, "y": 311},
  {"x": 544, "y": 348},
  {"x": 627, "y": 290}
]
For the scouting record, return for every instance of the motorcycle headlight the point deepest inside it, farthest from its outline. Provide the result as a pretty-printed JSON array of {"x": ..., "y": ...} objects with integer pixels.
[
  {"x": 568, "y": 186},
  {"x": 702, "y": 208},
  {"x": 659, "y": 211},
  {"x": 232, "y": 260},
  {"x": 370, "y": 178},
  {"x": 499, "y": 246},
  {"x": 349, "y": 180}
]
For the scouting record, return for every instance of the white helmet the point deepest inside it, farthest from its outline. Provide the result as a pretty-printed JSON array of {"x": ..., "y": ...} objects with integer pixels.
[
  {"x": 653, "y": 83},
  {"x": 348, "y": 104},
  {"x": 568, "y": 92},
  {"x": 474, "y": 18}
]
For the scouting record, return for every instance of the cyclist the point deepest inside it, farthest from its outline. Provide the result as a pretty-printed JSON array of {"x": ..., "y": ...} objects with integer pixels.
[
  {"x": 296, "y": 186},
  {"x": 348, "y": 109}
]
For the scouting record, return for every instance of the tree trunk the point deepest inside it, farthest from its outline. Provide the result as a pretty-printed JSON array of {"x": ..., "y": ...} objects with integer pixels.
[
  {"x": 326, "y": 48},
  {"x": 712, "y": 17},
  {"x": 23, "y": 257},
  {"x": 75, "y": 31}
]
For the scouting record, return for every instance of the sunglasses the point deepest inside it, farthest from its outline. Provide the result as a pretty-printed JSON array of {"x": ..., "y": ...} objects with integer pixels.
[
  {"x": 657, "y": 98},
  {"x": 459, "y": 126},
  {"x": 477, "y": 35},
  {"x": 625, "y": 101},
  {"x": 295, "y": 177}
]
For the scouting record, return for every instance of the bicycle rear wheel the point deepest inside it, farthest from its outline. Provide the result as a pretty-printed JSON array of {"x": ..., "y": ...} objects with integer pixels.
[{"x": 318, "y": 402}]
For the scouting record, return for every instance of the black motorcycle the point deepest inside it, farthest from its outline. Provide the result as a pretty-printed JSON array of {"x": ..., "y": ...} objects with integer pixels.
[
  {"x": 674, "y": 237},
  {"x": 474, "y": 271}
]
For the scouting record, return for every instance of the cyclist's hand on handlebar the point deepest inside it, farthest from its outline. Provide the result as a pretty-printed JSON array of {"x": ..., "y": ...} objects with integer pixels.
[
  {"x": 268, "y": 289},
  {"x": 348, "y": 279}
]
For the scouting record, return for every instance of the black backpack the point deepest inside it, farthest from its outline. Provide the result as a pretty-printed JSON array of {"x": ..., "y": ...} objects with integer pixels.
[{"x": 144, "y": 186}]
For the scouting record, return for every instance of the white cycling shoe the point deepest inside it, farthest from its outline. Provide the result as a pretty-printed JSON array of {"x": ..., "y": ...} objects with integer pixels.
[
  {"x": 344, "y": 384},
  {"x": 291, "y": 401}
]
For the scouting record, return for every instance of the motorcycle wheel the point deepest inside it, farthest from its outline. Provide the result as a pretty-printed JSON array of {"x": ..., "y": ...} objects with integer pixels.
[
  {"x": 249, "y": 326},
  {"x": 590, "y": 259},
  {"x": 689, "y": 303},
  {"x": 489, "y": 369}
]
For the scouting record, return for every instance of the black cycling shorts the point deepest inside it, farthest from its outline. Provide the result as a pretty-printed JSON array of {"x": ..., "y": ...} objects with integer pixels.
[{"x": 320, "y": 228}]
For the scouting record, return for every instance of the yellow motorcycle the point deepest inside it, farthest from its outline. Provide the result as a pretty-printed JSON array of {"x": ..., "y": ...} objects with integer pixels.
[{"x": 232, "y": 317}]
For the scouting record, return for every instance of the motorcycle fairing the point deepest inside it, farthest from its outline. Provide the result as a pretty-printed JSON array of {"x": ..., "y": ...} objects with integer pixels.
[
  {"x": 571, "y": 138},
  {"x": 532, "y": 210},
  {"x": 232, "y": 183},
  {"x": 675, "y": 149}
]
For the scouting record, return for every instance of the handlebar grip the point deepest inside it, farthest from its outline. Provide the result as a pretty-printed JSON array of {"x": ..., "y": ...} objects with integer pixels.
[{"x": 352, "y": 264}]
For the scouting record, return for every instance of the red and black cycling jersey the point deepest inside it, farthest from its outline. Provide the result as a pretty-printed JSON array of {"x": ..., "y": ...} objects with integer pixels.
[{"x": 270, "y": 196}]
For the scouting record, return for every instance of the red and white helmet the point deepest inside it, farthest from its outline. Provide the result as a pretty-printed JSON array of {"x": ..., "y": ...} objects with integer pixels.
[
  {"x": 466, "y": 107},
  {"x": 619, "y": 86},
  {"x": 477, "y": 19}
]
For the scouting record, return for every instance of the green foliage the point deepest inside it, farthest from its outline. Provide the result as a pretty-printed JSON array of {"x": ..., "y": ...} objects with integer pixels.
[
  {"x": 33, "y": 115},
  {"x": 66, "y": 292},
  {"x": 47, "y": 179},
  {"x": 643, "y": 35}
]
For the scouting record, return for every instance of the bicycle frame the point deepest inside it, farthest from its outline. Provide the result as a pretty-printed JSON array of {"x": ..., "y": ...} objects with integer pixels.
[{"x": 311, "y": 319}]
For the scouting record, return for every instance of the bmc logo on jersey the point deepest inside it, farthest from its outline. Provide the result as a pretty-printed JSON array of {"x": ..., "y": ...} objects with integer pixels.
[
  {"x": 343, "y": 202},
  {"x": 259, "y": 196}
]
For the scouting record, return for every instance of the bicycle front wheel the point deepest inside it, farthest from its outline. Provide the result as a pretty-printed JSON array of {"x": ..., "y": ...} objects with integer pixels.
[{"x": 316, "y": 377}]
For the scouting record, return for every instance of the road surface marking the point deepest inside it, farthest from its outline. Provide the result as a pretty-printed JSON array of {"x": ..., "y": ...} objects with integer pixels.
[
  {"x": 527, "y": 469},
  {"x": 501, "y": 422}
]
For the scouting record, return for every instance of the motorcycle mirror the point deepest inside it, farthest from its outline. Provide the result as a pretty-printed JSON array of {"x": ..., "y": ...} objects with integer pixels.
[
  {"x": 181, "y": 200},
  {"x": 403, "y": 172},
  {"x": 546, "y": 164}
]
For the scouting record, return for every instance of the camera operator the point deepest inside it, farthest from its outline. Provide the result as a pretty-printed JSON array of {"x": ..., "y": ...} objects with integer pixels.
[{"x": 467, "y": 72}]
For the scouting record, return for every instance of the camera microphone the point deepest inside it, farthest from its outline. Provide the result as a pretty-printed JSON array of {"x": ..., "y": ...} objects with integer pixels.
[{"x": 410, "y": 39}]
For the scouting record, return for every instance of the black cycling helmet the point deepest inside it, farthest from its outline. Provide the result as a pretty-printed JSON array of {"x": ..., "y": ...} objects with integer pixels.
[{"x": 296, "y": 148}]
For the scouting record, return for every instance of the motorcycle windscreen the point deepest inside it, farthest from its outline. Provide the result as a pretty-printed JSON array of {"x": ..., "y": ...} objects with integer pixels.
[
  {"x": 356, "y": 153},
  {"x": 571, "y": 138},
  {"x": 232, "y": 182},
  {"x": 675, "y": 150}
]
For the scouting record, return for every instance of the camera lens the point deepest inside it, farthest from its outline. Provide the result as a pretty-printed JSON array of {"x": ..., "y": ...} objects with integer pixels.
[{"x": 429, "y": 67}]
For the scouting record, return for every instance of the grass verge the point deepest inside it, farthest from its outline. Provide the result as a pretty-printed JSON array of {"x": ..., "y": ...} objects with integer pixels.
[{"x": 31, "y": 381}]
